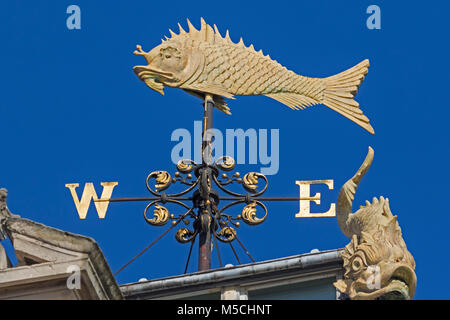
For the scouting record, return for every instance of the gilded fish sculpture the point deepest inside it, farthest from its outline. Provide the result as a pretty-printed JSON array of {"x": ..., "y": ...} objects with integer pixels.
[{"x": 203, "y": 62}]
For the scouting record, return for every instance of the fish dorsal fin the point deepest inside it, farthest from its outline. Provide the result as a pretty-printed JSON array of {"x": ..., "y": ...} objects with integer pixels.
[
  {"x": 181, "y": 29},
  {"x": 217, "y": 36},
  {"x": 203, "y": 26},
  {"x": 227, "y": 37},
  {"x": 206, "y": 32},
  {"x": 192, "y": 29},
  {"x": 210, "y": 35}
]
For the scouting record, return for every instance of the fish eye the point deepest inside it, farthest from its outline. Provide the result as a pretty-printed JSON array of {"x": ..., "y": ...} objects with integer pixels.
[{"x": 357, "y": 264}]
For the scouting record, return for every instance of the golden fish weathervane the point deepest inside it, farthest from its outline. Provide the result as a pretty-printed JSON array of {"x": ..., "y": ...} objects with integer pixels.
[{"x": 203, "y": 62}]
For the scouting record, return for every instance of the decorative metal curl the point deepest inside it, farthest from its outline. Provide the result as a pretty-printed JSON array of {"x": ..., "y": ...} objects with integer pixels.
[
  {"x": 249, "y": 213},
  {"x": 163, "y": 181},
  {"x": 226, "y": 234},
  {"x": 206, "y": 175},
  {"x": 160, "y": 215},
  {"x": 250, "y": 185},
  {"x": 186, "y": 165},
  {"x": 225, "y": 163},
  {"x": 184, "y": 235},
  {"x": 250, "y": 181}
]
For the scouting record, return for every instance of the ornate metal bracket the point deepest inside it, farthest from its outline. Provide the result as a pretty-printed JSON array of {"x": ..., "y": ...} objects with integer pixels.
[
  {"x": 206, "y": 180},
  {"x": 206, "y": 199}
]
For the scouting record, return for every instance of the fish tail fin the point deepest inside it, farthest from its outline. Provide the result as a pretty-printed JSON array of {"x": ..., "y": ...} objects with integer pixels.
[{"x": 340, "y": 90}]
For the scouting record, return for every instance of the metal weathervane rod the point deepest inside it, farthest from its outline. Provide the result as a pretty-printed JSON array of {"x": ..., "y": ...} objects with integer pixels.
[
  {"x": 209, "y": 222},
  {"x": 206, "y": 199},
  {"x": 206, "y": 202}
]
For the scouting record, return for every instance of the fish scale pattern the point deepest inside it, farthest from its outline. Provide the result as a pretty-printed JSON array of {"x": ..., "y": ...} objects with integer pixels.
[{"x": 245, "y": 72}]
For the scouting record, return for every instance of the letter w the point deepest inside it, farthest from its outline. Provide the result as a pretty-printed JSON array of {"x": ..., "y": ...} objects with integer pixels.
[{"x": 88, "y": 194}]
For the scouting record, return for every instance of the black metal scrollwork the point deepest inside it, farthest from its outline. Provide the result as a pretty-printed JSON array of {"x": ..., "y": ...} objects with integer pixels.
[{"x": 205, "y": 177}]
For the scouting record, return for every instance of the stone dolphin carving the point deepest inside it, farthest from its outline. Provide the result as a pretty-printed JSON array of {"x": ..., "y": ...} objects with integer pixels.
[{"x": 377, "y": 263}]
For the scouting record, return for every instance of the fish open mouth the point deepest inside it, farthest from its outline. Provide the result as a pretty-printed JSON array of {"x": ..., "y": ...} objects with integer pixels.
[
  {"x": 154, "y": 84},
  {"x": 152, "y": 77},
  {"x": 401, "y": 286}
]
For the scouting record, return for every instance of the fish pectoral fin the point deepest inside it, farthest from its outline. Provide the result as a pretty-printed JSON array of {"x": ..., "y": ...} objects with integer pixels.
[
  {"x": 221, "y": 104},
  {"x": 294, "y": 101},
  {"x": 212, "y": 89}
]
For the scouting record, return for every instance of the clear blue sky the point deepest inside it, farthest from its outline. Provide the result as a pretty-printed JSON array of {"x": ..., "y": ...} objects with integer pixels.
[{"x": 72, "y": 110}]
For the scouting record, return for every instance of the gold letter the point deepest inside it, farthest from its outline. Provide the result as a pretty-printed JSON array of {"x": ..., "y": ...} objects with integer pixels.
[
  {"x": 305, "y": 204},
  {"x": 88, "y": 194}
]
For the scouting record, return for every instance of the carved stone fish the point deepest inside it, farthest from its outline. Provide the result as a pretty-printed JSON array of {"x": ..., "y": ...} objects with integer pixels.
[{"x": 202, "y": 61}]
